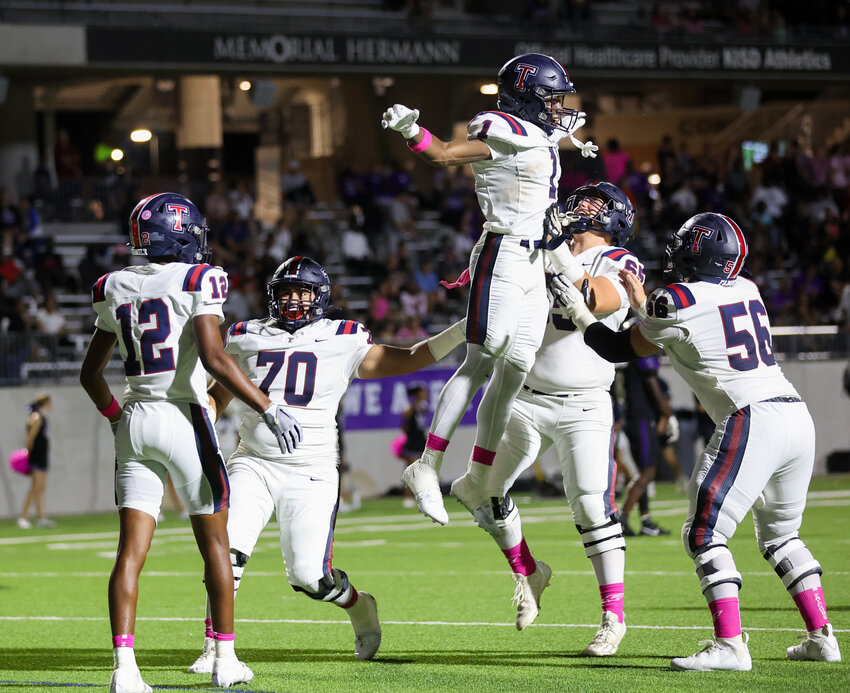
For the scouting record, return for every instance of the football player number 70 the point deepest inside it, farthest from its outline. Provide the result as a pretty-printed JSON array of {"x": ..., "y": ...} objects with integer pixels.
[{"x": 299, "y": 362}]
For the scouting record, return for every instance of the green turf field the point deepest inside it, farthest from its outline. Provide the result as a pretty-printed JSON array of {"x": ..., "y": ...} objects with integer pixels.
[{"x": 444, "y": 597}]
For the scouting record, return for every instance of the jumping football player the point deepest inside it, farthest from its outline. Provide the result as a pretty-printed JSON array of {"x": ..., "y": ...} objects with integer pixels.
[
  {"x": 513, "y": 154},
  {"x": 165, "y": 316},
  {"x": 565, "y": 402},
  {"x": 713, "y": 325},
  {"x": 300, "y": 357}
]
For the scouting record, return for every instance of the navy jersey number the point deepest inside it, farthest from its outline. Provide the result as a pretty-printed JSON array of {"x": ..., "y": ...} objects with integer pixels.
[
  {"x": 300, "y": 379},
  {"x": 155, "y": 322},
  {"x": 756, "y": 343}
]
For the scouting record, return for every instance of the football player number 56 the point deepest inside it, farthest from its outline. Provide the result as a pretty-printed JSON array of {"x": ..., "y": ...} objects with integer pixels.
[{"x": 745, "y": 332}]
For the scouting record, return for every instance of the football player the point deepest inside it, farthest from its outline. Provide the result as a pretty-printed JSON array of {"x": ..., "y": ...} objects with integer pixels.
[
  {"x": 714, "y": 328},
  {"x": 565, "y": 402},
  {"x": 165, "y": 317},
  {"x": 513, "y": 154},
  {"x": 300, "y": 357}
]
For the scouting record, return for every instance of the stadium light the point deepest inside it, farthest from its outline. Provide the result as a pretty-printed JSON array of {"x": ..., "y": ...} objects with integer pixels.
[
  {"x": 489, "y": 88},
  {"x": 654, "y": 179},
  {"x": 245, "y": 85},
  {"x": 116, "y": 154},
  {"x": 141, "y": 135}
]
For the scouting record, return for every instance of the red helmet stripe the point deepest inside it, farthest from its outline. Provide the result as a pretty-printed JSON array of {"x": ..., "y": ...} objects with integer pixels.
[
  {"x": 134, "y": 219},
  {"x": 742, "y": 243}
]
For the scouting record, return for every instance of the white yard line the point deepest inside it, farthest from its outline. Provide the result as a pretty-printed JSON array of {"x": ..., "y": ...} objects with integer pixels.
[{"x": 391, "y": 623}]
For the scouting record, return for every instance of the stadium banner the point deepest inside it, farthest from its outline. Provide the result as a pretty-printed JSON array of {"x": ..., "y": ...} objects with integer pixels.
[
  {"x": 374, "y": 404},
  {"x": 334, "y": 52}
]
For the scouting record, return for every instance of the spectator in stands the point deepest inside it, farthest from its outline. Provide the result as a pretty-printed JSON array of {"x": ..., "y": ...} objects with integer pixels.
[
  {"x": 67, "y": 157},
  {"x": 839, "y": 172},
  {"x": 414, "y": 428},
  {"x": 684, "y": 201},
  {"x": 91, "y": 267},
  {"x": 240, "y": 201},
  {"x": 295, "y": 186},
  {"x": 615, "y": 161},
  {"x": 773, "y": 196},
  {"x": 51, "y": 322},
  {"x": 414, "y": 301},
  {"x": 411, "y": 331},
  {"x": 38, "y": 447},
  {"x": 237, "y": 237},
  {"x": 381, "y": 301},
  {"x": 10, "y": 221},
  {"x": 216, "y": 207},
  {"x": 429, "y": 281},
  {"x": 243, "y": 299},
  {"x": 49, "y": 270}
]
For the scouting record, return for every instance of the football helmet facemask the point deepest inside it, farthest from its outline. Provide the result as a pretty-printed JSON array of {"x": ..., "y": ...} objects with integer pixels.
[
  {"x": 289, "y": 303},
  {"x": 532, "y": 86},
  {"x": 601, "y": 207},
  {"x": 708, "y": 246},
  {"x": 168, "y": 226}
]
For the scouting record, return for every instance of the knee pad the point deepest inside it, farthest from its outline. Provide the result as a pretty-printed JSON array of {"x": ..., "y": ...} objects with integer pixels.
[
  {"x": 332, "y": 586},
  {"x": 237, "y": 562},
  {"x": 715, "y": 565},
  {"x": 605, "y": 537},
  {"x": 792, "y": 561}
]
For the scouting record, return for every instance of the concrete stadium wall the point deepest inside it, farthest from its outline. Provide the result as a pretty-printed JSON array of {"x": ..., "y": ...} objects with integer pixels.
[{"x": 82, "y": 462}]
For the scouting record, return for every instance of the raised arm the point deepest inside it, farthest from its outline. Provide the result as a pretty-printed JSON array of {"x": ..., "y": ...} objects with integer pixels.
[
  {"x": 428, "y": 147},
  {"x": 383, "y": 360}
]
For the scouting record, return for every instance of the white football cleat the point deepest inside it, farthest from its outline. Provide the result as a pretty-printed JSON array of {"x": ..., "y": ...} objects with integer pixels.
[
  {"x": 204, "y": 663},
  {"x": 726, "y": 654},
  {"x": 229, "y": 670},
  {"x": 470, "y": 491},
  {"x": 422, "y": 479},
  {"x": 128, "y": 680},
  {"x": 818, "y": 646},
  {"x": 367, "y": 628},
  {"x": 529, "y": 589},
  {"x": 607, "y": 639}
]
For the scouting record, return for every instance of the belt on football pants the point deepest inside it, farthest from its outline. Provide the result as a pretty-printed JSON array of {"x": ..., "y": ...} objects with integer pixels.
[
  {"x": 525, "y": 243},
  {"x": 785, "y": 398},
  {"x": 548, "y": 394}
]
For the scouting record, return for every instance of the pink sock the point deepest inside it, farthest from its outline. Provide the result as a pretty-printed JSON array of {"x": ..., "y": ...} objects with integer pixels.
[
  {"x": 436, "y": 443},
  {"x": 224, "y": 636},
  {"x": 520, "y": 559},
  {"x": 612, "y": 598},
  {"x": 483, "y": 456},
  {"x": 812, "y": 608},
  {"x": 727, "y": 617},
  {"x": 208, "y": 629},
  {"x": 122, "y": 641}
]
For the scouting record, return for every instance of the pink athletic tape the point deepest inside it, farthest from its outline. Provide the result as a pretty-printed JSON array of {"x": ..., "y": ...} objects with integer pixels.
[
  {"x": 208, "y": 629},
  {"x": 612, "y": 598},
  {"x": 520, "y": 559},
  {"x": 727, "y": 617},
  {"x": 111, "y": 409},
  {"x": 224, "y": 636},
  {"x": 423, "y": 144},
  {"x": 483, "y": 456},
  {"x": 436, "y": 443},
  {"x": 122, "y": 641},
  {"x": 812, "y": 608}
]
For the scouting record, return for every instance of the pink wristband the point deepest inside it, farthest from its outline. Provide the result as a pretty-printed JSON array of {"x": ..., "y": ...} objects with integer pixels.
[
  {"x": 111, "y": 409},
  {"x": 423, "y": 144}
]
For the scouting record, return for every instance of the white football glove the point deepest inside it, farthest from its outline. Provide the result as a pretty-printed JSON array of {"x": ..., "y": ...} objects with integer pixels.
[
  {"x": 588, "y": 149},
  {"x": 285, "y": 428},
  {"x": 555, "y": 225},
  {"x": 580, "y": 121},
  {"x": 571, "y": 301},
  {"x": 401, "y": 119},
  {"x": 671, "y": 434}
]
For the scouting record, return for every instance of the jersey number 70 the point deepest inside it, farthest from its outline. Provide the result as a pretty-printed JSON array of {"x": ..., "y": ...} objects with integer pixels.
[{"x": 298, "y": 362}]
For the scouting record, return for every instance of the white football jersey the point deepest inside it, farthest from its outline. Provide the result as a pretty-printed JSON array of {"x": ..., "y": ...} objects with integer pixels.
[
  {"x": 307, "y": 373},
  {"x": 520, "y": 181},
  {"x": 150, "y": 309},
  {"x": 718, "y": 339},
  {"x": 564, "y": 363}
]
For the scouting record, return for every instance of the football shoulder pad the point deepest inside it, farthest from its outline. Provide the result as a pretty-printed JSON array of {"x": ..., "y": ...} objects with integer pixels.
[{"x": 503, "y": 127}]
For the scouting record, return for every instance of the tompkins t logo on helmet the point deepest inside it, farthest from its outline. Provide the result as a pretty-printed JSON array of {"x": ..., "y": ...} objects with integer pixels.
[
  {"x": 700, "y": 232},
  {"x": 179, "y": 211},
  {"x": 523, "y": 71}
]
